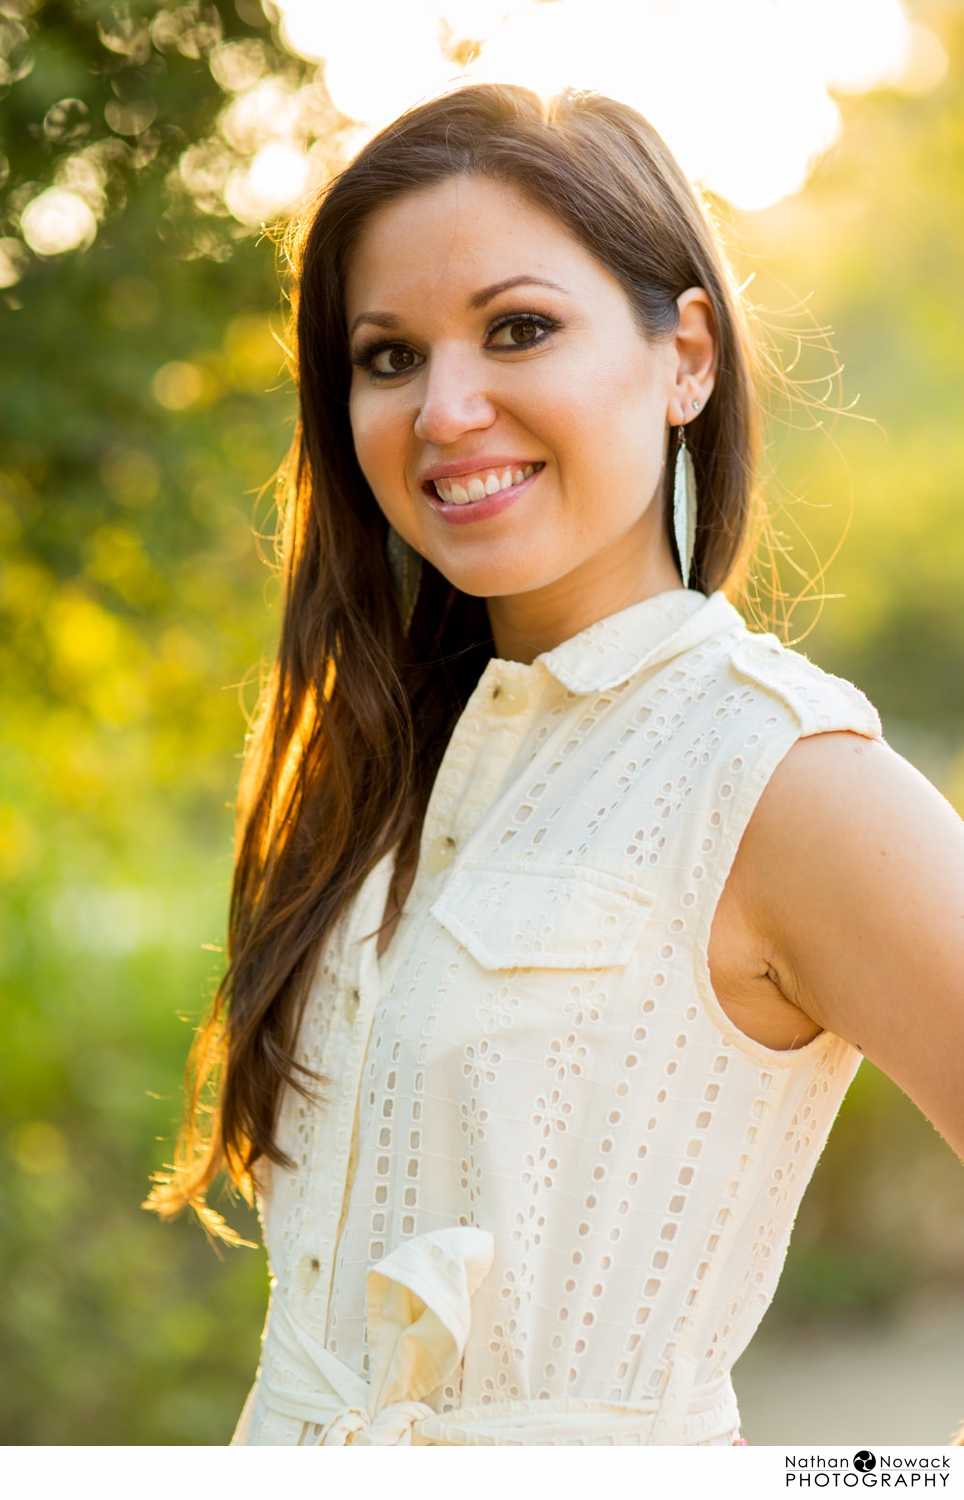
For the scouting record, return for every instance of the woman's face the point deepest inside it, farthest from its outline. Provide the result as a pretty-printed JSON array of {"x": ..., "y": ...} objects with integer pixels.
[{"x": 507, "y": 412}]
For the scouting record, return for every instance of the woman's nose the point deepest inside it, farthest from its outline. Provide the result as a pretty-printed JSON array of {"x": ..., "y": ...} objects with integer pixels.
[{"x": 454, "y": 401}]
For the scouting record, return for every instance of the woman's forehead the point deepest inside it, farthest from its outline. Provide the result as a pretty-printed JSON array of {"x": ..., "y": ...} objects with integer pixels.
[{"x": 461, "y": 236}]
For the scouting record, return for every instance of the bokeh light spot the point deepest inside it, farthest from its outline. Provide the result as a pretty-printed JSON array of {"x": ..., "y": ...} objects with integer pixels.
[
  {"x": 277, "y": 176},
  {"x": 67, "y": 121},
  {"x": 254, "y": 357},
  {"x": 130, "y": 119},
  {"x": 56, "y": 221},
  {"x": 927, "y": 62},
  {"x": 13, "y": 259},
  {"x": 237, "y": 65},
  {"x": 39, "y": 1148},
  {"x": 179, "y": 385}
]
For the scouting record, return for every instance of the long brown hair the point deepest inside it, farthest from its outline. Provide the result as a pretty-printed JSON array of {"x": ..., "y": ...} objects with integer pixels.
[{"x": 357, "y": 714}]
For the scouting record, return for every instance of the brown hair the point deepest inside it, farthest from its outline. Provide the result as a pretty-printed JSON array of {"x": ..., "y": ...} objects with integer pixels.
[{"x": 357, "y": 714}]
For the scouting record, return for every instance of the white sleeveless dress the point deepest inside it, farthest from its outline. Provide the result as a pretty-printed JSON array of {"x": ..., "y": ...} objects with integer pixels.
[{"x": 548, "y": 1193}]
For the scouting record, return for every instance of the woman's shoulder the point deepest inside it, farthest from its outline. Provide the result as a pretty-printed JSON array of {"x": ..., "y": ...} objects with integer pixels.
[
  {"x": 851, "y": 874},
  {"x": 821, "y": 702}
]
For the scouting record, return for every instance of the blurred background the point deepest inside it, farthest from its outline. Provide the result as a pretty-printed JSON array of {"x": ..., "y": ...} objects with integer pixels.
[{"x": 144, "y": 409}]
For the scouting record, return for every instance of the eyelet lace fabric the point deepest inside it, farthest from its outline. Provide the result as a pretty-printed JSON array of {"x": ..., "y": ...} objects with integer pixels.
[{"x": 539, "y": 1064}]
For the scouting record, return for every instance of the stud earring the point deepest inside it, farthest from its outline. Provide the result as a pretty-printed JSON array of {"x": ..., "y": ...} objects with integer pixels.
[
  {"x": 405, "y": 565},
  {"x": 684, "y": 508},
  {"x": 697, "y": 405}
]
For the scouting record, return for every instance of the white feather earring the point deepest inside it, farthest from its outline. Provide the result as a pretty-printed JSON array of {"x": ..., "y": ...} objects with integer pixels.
[
  {"x": 405, "y": 565},
  {"x": 684, "y": 508}
]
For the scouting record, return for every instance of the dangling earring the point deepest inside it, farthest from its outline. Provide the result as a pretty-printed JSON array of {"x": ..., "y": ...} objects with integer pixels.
[
  {"x": 405, "y": 565},
  {"x": 684, "y": 508}
]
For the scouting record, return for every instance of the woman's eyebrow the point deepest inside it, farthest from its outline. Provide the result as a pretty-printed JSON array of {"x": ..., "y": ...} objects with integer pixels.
[
  {"x": 477, "y": 300},
  {"x": 379, "y": 319}
]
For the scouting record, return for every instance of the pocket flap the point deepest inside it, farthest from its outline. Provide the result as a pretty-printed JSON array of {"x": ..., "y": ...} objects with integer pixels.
[{"x": 521, "y": 916}]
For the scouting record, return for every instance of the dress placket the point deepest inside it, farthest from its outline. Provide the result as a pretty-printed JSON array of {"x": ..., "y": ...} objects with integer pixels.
[{"x": 357, "y": 997}]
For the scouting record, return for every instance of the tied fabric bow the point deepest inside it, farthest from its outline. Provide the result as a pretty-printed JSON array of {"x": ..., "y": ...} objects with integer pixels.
[{"x": 419, "y": 1311}]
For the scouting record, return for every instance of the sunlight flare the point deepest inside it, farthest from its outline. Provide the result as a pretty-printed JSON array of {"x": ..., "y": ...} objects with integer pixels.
[{"x": 743, "y": 93}]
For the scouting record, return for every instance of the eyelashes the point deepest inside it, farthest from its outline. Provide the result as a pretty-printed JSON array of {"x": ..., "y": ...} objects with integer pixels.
[
  {"x": 389, "y": 359},
  {"x": 540, "y": 325},
  {"x": 404, "y": 357}
]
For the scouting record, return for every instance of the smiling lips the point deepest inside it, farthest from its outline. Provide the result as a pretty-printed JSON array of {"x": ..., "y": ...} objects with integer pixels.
[{"x": 468, "y": 487}]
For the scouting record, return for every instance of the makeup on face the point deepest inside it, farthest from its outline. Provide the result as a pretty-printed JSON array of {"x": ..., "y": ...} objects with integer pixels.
[
  {"x": 507, "y": 412},
  {"x": 464, "y": 487},
  {"x": 478, "y": 489}
]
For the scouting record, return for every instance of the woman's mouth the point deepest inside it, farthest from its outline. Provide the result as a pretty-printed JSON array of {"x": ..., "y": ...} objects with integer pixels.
[{"x": 478, "y": 484}]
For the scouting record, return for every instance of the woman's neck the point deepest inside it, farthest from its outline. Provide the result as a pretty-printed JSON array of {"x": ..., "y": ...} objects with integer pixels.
[{"x": 625, "y": 573}]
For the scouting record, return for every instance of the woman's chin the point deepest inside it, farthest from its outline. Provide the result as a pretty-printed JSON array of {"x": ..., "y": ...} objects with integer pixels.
[{"x": 495, "y": 581}]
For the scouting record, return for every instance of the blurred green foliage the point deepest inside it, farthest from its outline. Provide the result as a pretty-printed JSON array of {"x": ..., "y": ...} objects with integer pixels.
[
  {"x": 865, "y": 484},
  {"x": 135, "y": 606},
  {"x": 143, "y": 408}
]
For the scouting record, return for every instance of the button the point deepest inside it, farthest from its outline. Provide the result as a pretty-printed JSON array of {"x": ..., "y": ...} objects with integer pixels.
[
  {"x": 509, "y": 698},
  {"x": 440, "y": 854},
  {"x": 309, "y": 1267}
]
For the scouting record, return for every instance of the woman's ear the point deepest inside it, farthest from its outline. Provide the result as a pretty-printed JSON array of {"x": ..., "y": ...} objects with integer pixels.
[{"x": 695, "y": 345}]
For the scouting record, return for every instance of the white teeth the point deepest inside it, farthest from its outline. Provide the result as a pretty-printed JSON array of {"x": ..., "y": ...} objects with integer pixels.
[{"x": 480, "y": 485}]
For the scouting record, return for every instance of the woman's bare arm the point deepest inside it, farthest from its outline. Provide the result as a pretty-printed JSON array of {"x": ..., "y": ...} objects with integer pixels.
[{"x": 845, "y": 911}]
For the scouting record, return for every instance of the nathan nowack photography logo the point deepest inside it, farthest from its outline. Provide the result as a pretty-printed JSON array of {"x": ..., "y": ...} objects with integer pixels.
[{"x": 876, "y": 1470}]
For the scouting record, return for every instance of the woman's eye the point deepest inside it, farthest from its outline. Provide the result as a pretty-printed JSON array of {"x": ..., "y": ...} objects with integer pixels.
[
  {"x": 520, "y": 332},
  {"x": 394, "y": 359}
]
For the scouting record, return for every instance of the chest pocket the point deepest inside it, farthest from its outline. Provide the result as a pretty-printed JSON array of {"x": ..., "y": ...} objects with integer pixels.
[{"x": 521, "y": 916}]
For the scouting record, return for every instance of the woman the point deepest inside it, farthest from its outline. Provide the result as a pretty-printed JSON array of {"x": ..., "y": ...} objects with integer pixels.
[{"x": 564, "y": 906}]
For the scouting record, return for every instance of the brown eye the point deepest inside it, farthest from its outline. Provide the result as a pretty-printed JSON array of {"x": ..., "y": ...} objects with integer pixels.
[
  {"x": 395, "y": 360},
  {"x": 520, "y": 333}
]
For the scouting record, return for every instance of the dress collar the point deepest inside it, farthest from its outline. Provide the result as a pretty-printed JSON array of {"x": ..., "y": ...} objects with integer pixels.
[{"x": 613, "y": 650}]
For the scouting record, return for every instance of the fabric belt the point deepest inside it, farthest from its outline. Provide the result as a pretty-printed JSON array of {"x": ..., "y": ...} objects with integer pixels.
[{"x": 419, "y": 1315}]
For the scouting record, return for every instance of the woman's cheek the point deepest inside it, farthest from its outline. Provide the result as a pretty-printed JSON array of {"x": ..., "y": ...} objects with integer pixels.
[{"x": 370, "y": 443}]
